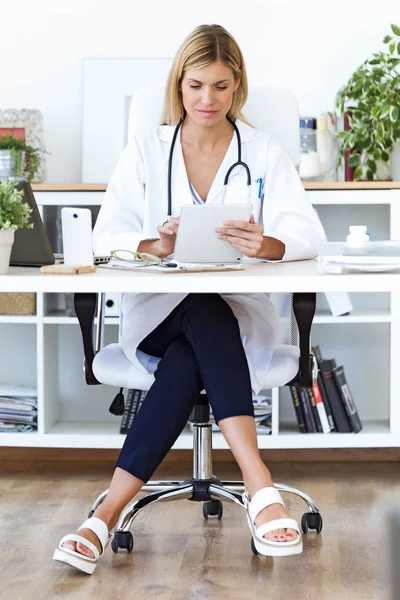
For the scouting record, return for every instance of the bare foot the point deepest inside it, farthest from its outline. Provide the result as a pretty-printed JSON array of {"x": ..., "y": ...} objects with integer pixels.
[
  {"x": 89, "y": 535},
  {"x": 272, "y": 512}
]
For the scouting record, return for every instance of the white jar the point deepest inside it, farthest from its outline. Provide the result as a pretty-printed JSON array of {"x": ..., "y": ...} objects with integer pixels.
[{"x": 357, "y": 235}]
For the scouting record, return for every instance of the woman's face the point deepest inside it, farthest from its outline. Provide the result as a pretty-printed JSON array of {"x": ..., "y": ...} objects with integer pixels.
[{"x": 207, "y": 93}]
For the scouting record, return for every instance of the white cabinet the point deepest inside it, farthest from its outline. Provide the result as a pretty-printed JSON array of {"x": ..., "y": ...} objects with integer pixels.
[{"x": 45, "y": 351}]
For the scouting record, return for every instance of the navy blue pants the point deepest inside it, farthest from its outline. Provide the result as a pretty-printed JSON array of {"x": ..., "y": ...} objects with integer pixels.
[{"x": 200, "y": 348}]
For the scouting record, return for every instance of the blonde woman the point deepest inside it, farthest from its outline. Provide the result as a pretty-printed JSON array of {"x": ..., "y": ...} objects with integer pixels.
[{"x": 222, "y": 343}]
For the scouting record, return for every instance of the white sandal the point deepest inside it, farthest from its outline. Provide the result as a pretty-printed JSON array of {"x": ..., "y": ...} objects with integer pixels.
[
  {"x": 75, "y": 559},
  {"x": 260, "y": 500}
]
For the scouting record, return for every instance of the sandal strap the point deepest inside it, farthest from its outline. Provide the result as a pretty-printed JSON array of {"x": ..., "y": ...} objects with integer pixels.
[
  {"x": 263, "y": 498},
  {"x": 74, "y": 537},
  {"x": 99, "y": 528},
  {"x": 284, "y": 523}
]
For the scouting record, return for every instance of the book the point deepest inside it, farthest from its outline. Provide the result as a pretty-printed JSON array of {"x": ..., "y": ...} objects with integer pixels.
[
  {"x": 294, "y": 391},
  {"x": 306, "y": 407},
  {"x": 137, "y": 401},
  {"x": 321, "y": 409},
  {"x": 335, "y": 398},
  {"x": 11, "y": 417},
  {"x": 348, "y": 400},
  {"x": 314, "y": 410},
  {"x": 128, "y": 406},
  {"x": 321, "y": 386}
]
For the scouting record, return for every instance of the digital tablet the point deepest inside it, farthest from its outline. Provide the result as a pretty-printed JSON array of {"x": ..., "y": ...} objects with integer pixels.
[{"x": 197, "y": 241}]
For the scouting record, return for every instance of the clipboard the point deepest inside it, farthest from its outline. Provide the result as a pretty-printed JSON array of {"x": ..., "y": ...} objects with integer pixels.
[{"x": 180, "y": 268}]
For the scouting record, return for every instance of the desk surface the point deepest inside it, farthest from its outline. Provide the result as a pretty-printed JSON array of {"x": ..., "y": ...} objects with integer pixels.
[{"x": 299, "y": 276}]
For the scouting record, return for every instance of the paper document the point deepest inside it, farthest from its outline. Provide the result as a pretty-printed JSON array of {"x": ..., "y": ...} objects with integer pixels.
[
  {"x": 179, "y": 268},
  {"x": 369, "y": 257}
]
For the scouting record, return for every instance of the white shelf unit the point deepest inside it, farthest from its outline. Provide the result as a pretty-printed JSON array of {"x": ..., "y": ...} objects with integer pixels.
[{"x": 46, "y": 349}]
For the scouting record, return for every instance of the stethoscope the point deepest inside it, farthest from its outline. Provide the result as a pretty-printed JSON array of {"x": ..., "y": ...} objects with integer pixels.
[{"x": 238, "y": 163}]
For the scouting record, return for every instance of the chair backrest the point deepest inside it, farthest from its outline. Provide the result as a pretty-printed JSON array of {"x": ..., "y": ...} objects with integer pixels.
[{"x": 274, "y": 110}]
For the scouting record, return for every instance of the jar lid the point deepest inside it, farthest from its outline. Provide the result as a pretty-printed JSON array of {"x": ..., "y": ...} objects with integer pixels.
[{"x": 308, "y": 122}]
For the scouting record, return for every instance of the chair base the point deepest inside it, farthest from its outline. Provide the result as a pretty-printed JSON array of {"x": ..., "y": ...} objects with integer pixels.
[
  {"x": 197, "y": 490},
  {"x": 203, "y": 487}
]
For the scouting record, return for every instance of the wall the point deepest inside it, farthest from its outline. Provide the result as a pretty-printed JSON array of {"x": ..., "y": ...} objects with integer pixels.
[{"x": 310, "y": 46}]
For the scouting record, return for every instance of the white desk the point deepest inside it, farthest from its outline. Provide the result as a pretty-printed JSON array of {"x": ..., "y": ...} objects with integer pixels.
[
  {"x": 66, "y": 412},
  {"x": 299, "y": 276}
]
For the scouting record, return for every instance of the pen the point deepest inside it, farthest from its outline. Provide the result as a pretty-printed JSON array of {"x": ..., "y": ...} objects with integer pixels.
[{"x": 260, "y": 181}]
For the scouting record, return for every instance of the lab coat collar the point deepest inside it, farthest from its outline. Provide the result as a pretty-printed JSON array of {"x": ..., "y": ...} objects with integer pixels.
[
  {"x": 181, "y": 193},
  {"x": 247, "y": 133}
]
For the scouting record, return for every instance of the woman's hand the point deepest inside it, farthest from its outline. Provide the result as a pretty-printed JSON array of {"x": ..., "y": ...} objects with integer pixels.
[
  {"x": 168, "y": 233},
  {"x": 245, "y": 237}
]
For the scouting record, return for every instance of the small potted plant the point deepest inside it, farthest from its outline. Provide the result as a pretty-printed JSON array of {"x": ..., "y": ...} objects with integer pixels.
[
  {"x": 371, "y": 97},
  {"x": 14, "y": 214},
  {"x": 25, "y": 159}
]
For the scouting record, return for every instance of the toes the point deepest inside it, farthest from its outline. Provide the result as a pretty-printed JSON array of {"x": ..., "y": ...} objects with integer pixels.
[
  {"x": 291, "y": 535},
  {"x": 69, "y": 546},
  {"x": 84, "y": 550},
  {"x": 277, "y": 535}
]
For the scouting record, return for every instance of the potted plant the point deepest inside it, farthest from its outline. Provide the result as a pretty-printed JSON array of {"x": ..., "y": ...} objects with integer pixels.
[
  {"x": 26, "y": 158},
  {"x": 371, "y": 97},
  {"x": 14, "y": 214}
]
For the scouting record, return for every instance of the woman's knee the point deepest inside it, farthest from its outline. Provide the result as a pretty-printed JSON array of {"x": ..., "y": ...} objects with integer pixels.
[
  {"x": 180, "y": 356},
  {"x": 209, "y": 307}
]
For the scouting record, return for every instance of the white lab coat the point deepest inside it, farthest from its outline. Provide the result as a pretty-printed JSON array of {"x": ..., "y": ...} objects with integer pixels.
[{"x": 135, "y": 203}]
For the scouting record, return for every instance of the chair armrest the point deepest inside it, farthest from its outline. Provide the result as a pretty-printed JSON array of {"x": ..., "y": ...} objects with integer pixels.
[
  {"x": 85, "y": 307},
  {"x": 304, "y": 310}
]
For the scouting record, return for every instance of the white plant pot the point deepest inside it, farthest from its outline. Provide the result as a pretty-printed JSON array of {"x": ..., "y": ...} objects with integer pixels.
[
  {"x": 6, "y": 242},
  {"x": 396, "y": 162}
]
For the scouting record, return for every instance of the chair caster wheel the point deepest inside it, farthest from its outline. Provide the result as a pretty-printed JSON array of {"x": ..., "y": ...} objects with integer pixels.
[
  {"x": 211, "y": 508},
  {"x": 253, "y": 547},
  {"x": 311, "y": 521},
  {"x": 91, "y": 512},
  {"x": 122, "y": 539}
]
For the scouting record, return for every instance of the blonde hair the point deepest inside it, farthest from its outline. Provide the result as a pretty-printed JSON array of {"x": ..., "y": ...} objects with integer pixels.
[{"x": 205, "y": 45}]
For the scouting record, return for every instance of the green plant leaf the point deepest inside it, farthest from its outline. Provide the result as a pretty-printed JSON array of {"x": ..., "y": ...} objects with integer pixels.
[
  {"x": 398, "y": 48},
  {"x": 376, "y": 154},
  {"x": 354, "y": 160},
  {"x": 371, "y": 165},
  {"x": 374, "y": 61},
  {"x": 14, "y": 212},
  {"x": 385, "y": 155},
  {"x": 394, "y": 113},
  {"x": 358, "y": 173},
  {"x": 387, "y": 39},
  {"x": 370, "y": 175},
  {"x": 392, "y": 47},
  {"x": 395, "y": 29}
]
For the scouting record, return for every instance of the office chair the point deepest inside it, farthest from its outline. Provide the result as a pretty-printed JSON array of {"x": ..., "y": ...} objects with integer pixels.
[{"x": 291, "y": 363}]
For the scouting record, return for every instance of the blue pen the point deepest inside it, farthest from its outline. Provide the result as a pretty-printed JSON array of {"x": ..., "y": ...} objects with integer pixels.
[{"x": 260, "y": 181}]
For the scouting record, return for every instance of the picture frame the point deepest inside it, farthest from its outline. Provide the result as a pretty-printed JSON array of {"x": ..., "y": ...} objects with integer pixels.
[
  {"x": 108, "y": 86},
  {"x": 30, "y": 121}
]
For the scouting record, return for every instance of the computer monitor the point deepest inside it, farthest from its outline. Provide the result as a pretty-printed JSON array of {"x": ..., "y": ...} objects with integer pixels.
[{"x": 31, "y": 247}]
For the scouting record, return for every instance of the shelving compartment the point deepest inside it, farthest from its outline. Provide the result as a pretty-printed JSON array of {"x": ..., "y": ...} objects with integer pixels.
[
  {"x": 77, "y": 415},
  {"x": 363, "y": 349},
  {"x": 18, "y": 364}
]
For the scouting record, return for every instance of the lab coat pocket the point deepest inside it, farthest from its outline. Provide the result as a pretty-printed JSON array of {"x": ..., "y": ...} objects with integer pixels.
[{"x": 236, "y": 193}]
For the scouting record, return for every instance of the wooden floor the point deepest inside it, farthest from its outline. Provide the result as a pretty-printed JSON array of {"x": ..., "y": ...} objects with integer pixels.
[{"x": 180, "y": 556}]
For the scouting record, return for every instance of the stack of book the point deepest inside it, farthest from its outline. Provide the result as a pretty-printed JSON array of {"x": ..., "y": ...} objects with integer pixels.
[
  {"x": 134, "y": 400},
  {"x": 329, "y": 406},
  {"x": 262, "y": 412},
  {"x": 18, "y": 409}
]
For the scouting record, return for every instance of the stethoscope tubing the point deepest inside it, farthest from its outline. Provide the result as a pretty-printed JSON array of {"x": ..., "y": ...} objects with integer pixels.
[{"x": 238, "y": 163}]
